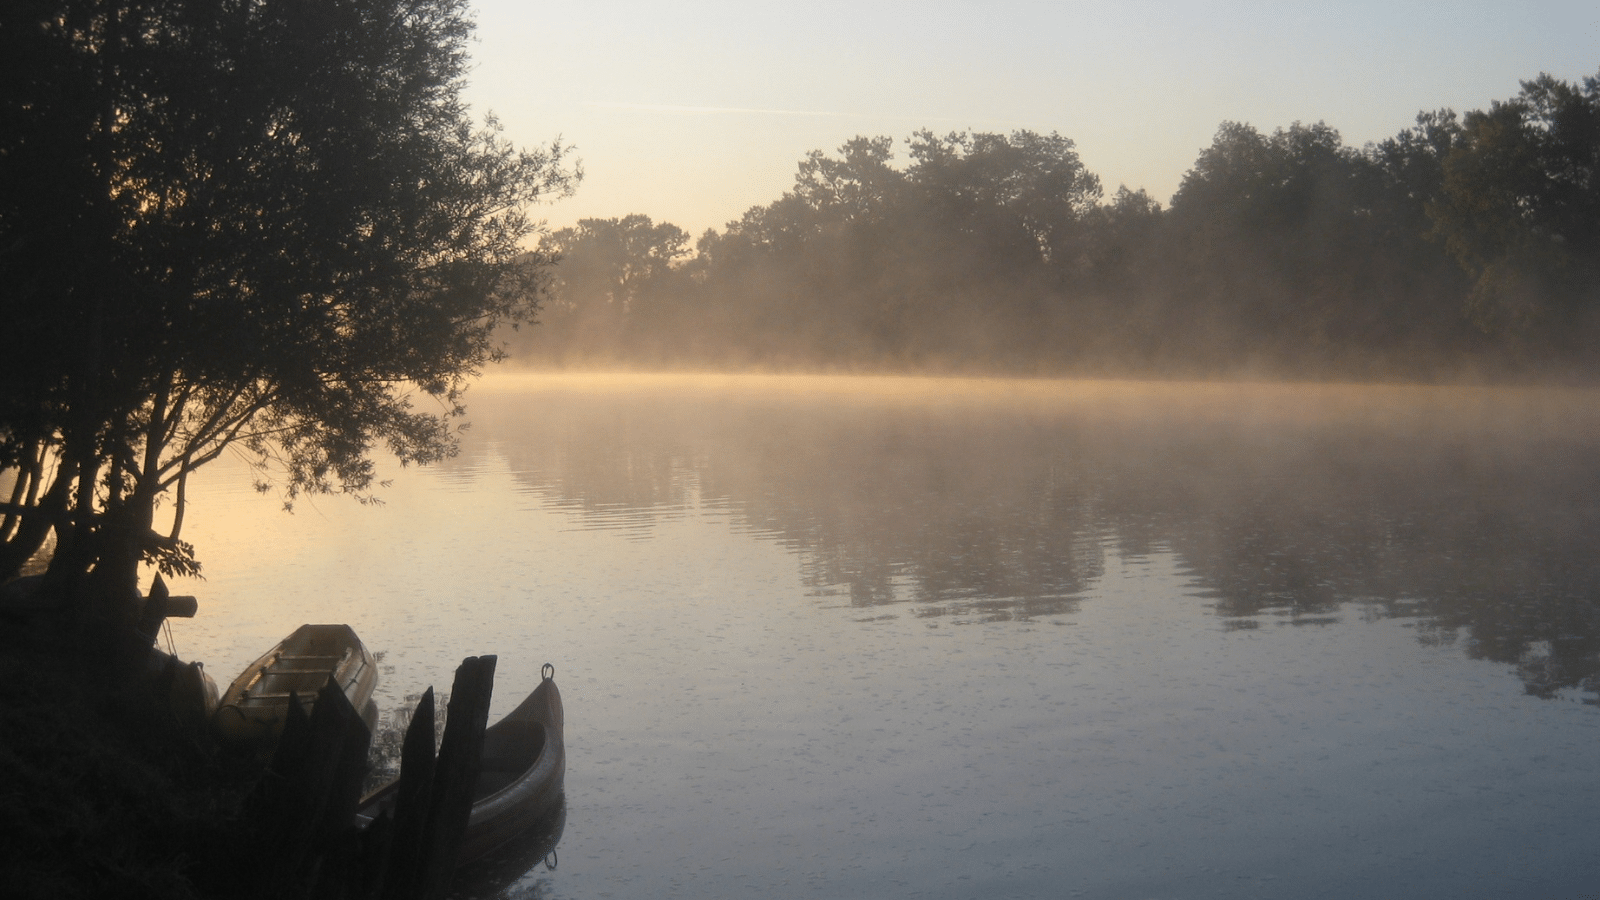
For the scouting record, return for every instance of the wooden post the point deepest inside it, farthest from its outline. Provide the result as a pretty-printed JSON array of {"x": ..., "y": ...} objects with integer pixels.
[
  {"x": 300, "y": 839},
  {"x": 455, "y": 775},
  {"x": 274, "y": 810},
  {"x": 412, "y": 796},
  {"x": 308, "y": 797},
  {"x": 154, "y": 610}
]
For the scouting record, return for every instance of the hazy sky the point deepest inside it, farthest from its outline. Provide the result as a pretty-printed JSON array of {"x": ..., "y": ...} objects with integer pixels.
[{"x": 693, "y": 111}]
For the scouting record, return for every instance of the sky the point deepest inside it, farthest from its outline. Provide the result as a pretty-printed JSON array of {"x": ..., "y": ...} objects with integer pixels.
[{"x": 691, "y": 112}]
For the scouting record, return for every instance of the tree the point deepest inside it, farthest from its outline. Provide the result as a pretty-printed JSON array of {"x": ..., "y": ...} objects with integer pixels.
[
  {"x": 612, "y": 279},
  {"x": 1289, "y": 254},
  {"x": 260, "y": 224},
  {"x": 860, "y": 185},
  {"x": 1519, "y": 209},
  {"x": 1413, "y": 164},
  {"x": 607, "y": 261},
  {"x": 1121, "y": 231},
  {"x": 1025, "y": 189}
]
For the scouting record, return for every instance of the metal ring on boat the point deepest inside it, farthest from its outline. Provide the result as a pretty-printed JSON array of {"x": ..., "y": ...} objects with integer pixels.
[
  {"x": 547, "y": 671},
  {"x": 550, "y": 859}
]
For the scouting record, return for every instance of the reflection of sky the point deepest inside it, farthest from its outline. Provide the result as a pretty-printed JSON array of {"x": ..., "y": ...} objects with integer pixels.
[{"x": 738, "y": 725}]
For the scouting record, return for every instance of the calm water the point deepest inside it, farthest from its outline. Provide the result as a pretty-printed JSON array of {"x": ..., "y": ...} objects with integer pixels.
[{"x": 952, "y": 639}]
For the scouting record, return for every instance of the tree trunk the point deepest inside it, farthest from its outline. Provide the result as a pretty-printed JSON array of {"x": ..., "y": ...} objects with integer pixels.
[
  {"x": 113, "y": 583},
  {"x": 35, "y": 526}
]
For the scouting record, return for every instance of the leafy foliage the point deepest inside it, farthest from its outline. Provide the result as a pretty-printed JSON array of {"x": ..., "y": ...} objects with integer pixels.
[
  {"x": 262, "y": 224},
  {"x": 1519, "y": 208}
]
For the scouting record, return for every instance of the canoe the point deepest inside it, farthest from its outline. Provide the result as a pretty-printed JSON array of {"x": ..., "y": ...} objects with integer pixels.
[
  {"x": 521, "y": 770},
  {"x": 252, "y": 711}
]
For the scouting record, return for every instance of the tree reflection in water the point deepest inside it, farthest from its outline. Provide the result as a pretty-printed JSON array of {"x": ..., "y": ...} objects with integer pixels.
[{"x": 1472, "y": 510}]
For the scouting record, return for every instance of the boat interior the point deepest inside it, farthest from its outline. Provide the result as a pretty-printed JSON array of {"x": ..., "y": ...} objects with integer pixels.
[{"x": 303, "y": 673}]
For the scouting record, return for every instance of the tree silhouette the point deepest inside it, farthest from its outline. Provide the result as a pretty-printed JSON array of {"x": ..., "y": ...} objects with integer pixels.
[{"x": 264, "y": 225}]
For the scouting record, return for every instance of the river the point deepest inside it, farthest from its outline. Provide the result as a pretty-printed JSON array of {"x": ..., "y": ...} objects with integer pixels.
[{"x": 898, "y": 637}]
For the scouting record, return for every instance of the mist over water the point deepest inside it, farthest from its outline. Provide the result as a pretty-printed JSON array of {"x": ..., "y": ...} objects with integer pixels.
[{"x": 945, "y": 637}]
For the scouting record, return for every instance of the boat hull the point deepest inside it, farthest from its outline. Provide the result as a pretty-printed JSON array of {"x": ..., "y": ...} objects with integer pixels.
[
  {"x": 521, "y": 773},
  {"x": 189, "y": 693},
  {"x": 502, "y": 811}
]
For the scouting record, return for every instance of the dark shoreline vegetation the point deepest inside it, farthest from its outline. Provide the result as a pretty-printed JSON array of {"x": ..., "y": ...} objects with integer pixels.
[
  {"x": 1464, "y": 248},
  {"x": 107, "y": 794}
]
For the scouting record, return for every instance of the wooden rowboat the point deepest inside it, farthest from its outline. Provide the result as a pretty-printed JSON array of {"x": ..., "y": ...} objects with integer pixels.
[
  {"x": 521, "y": 770},
  {"x": 253, "y": 710}
]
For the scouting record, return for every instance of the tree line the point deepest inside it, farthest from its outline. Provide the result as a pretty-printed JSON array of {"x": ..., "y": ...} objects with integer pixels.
[{"x": 1462, "y": 245}]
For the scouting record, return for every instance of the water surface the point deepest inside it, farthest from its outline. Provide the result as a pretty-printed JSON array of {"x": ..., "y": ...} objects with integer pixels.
[{"x": 836, "y": 637}]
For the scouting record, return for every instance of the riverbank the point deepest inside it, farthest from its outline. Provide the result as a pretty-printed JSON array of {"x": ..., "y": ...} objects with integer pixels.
[{"x": 106, "y": 795}]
